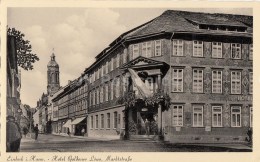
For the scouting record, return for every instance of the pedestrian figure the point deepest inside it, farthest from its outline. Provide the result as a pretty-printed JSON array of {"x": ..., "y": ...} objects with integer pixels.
[
  {"x": 82, "y": 131},
  {"x": 250, "y": 133},
  {"x": 68, "y": 132},
  {"x": 13, "y": 135},
  {"x": 36, "y": 131},
  {"x": 147, "y": 127}
]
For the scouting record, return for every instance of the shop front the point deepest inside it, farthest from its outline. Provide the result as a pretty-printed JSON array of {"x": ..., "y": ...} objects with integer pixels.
[{"x": 79, "y": 126}]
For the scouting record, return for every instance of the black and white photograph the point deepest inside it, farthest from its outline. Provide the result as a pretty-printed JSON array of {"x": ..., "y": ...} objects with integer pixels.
[{"x": 129, "y": 79}]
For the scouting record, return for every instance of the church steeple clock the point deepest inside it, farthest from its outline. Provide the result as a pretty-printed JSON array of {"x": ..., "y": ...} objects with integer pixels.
[{"x": 53, "y": 76}]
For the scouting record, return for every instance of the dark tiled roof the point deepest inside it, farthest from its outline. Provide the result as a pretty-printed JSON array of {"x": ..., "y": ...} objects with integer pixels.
[
  {"x": 180, "y": 21},
  {"x": 172, "y": 21}
]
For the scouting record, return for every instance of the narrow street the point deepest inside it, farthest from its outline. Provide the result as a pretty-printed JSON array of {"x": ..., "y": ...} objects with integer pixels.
[{"x": 54, "y": 143}]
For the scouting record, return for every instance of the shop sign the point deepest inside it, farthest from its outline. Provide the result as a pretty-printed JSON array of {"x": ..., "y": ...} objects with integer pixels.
[{"x": 240, "y": 98}]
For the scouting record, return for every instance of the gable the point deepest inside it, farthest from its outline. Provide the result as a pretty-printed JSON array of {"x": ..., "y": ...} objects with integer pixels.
[{"x": 142, "y": 61}]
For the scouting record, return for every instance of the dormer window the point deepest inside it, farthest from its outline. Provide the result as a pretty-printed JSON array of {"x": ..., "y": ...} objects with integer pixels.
[{"x": 223, "y": 27}]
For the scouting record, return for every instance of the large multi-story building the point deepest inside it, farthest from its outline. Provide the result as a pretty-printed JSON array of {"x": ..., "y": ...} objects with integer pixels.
[{"x": 188, "y": 75}]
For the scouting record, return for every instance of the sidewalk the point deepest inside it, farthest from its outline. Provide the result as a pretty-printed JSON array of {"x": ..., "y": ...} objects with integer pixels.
[
  {"x": 87, "y": 138},
  {"x": 42, "y": 138},
  {"x": 239, "y": 146}
]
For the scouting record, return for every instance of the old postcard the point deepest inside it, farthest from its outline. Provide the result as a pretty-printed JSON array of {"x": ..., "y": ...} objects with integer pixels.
[{"x": 110, "y": 82}]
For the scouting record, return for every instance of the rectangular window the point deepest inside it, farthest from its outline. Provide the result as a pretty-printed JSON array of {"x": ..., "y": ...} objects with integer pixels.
[
  {"x": 112, "y": 64},
  {"x": 109, "y": 66},
  {"x": 197, "y": 48},
  {"x": 117, "y": 84},
  {"x": 147, "y": 49},
  {"x": 108, "y": 120},
  {"x": 92, "y": 122},
  {"x": 97, "y": 95},
  {"x": 100, "y": 72},
  {"x": 235, "y": 82},
  {"x": 103, "y": 70},
  {"x": 124, "y": 57},
  {"x": 97, "y": 74},
  {"x": 96, "y": 121},
  {"x": 216, "y": 81},
  {"x": 90, "y": 98},
  {"x": 94, "y": 76},
  {"x": 106, "y": 69},
  {"x": 177, "y": 80},
  {"x": 124, "y": 83},
  {"x": 135, "y": 51},
  {"x": 94, "y": 97},
  {"x": 106, "y": 92},
  {"x": 251, "y": 116},
  {"x": 198, "y": 116},
  {"x": 216, "y": 116},
  {"x": 101, "y": 94},
  {"x": 177, "y": 47},
  {"x": 117, "y": 60},
  {"x": 236, "y": 51},
  {"x": 197, "y": 80},
  {"x": 250, "y": 52},
  {"x": 102, "y": 121},
  {"x": 216, "y": 50},
  {"x": 119, "y": 119},
  {"x": 112, "y": 90},
  {"x": 123, "y": 118},
  {"x": 177, "y": 115},
  {"x": 235, "y": 116},
  {"x": 158, "y": 48},
  {"x": 115, "y": 120},
  {"x": 251, "y": 83}
]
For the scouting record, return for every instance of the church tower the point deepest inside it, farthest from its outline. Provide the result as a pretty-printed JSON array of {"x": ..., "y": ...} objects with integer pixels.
[{"x": 53, "y": 74}]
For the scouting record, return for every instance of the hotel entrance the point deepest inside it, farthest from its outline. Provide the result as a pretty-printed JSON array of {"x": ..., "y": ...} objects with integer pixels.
[
  {"x": 144, "y": 96},
  {"x": 147, "y": 123},
  {"x": 143, "y": 121}
]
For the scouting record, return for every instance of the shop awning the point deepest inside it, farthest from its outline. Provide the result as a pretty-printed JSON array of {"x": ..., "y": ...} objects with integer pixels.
[
  {"x": 77, "y": 120},
  {"x": 67, "y": 124}
]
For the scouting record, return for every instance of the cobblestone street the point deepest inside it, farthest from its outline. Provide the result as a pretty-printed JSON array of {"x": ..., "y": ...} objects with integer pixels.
[{"x": 54, "y": 143}]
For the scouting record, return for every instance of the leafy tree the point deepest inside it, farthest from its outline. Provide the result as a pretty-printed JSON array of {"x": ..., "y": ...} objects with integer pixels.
[{"x": 25, "y": 57}]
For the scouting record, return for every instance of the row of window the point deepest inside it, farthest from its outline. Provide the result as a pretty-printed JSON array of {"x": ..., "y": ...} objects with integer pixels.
[
  {"x": 146, "y": 49},
  {"x": 120, "y": 59},
  {"x": 82, "y": 91},
  {"x": 216, "y": 78},
  {"x": 108, "y": 91},
  {"x": 216, "y": 50},
  {"x": 216, "y": 116},
  {"x": 154, "y": 48},
  {"x": 113, "y": 63},
  {"x": 103, "y": 121}
]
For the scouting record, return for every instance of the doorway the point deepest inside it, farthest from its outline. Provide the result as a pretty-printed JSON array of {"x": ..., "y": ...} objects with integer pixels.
[{"x": 147, "y": 123}]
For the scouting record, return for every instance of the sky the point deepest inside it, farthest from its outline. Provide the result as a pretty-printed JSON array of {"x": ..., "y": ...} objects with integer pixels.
[{"x": 77, "y": 35}]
